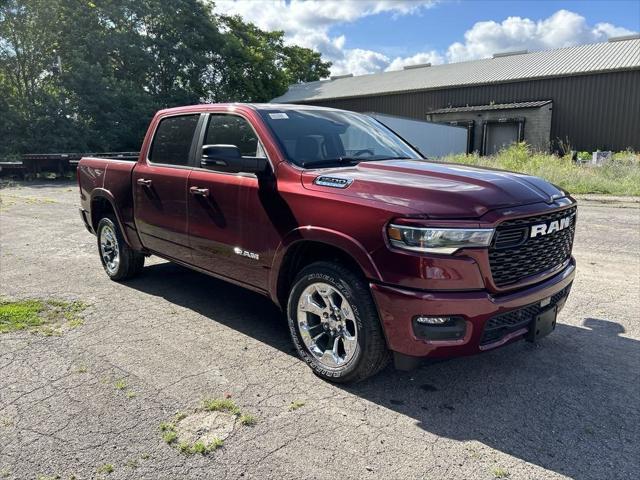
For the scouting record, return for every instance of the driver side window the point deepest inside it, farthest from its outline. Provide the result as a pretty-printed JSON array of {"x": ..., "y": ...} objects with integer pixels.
[{"x": 228, "y": 129}]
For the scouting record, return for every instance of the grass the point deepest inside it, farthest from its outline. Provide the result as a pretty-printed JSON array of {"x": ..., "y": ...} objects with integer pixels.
[
  {"x": 10, "y": 200},
  {"x": 106, "y": 468},
  {"x": 500, "y": 473},
  {"x": 248, "y": 420},
  {"x": 170, "y": 436},
  {"x": 44, "y": 316},
  {"x": 216, "y": 443},
  {"x": 170, "y": 432},
  {"x": 200, "y": 447},
  {"x": 224, "y": 405},
  {"x": 20, "y": 315},
  {"x": 295, "y": 405},
  {"x": 6, "y": 422},
  {"x": 120, "y": 384},
  {"x": 620, "y": 176}
]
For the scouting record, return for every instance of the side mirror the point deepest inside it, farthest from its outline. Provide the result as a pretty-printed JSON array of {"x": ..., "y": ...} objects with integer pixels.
[
  {"x": 219, "y": 155},
  {"x": 227, "y": 158}
]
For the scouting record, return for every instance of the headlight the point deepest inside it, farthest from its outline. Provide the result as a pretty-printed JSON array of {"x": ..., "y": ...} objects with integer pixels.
[{"x": 438, "y": 240}]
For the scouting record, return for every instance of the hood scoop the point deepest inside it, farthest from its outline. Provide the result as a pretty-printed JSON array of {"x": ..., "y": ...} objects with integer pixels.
[{"x": 332, "y": 181}]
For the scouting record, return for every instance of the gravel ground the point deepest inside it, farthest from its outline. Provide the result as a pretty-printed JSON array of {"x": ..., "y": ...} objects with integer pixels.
[{"x": 568, "y": 408}]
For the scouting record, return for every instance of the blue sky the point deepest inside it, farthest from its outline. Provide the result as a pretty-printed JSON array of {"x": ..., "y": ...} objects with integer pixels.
[{"x": 367, "y": 36}]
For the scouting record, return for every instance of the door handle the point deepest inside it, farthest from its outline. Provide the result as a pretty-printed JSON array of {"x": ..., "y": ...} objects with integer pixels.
[
  {"x": 143, "y": 182},
  {"x": 203, "y": 192}
]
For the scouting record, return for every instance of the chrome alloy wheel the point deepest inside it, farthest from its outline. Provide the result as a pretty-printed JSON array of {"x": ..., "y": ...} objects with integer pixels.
[
  {"x": 327, "y": 325},
  {"x": 109, "y": 249}
]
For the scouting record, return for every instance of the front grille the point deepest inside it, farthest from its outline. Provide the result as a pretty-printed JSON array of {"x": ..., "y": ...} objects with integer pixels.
[
  {"x": 514, "y": 255},
  {"x": 500, "y": 325}
]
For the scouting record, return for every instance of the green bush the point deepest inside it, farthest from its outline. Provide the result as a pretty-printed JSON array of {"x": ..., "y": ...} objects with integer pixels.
[{"x": 620, "y": 176}]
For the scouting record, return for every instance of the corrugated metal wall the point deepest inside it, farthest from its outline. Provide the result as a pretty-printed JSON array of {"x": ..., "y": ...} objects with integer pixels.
[{"x": 600, "y": 111}]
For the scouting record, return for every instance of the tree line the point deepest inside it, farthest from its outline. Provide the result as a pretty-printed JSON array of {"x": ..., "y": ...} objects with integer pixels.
[{"x": 87, "y": 75}]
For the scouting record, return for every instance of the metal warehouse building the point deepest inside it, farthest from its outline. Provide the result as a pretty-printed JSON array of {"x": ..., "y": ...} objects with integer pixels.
[{"x": 586, "y": 97}]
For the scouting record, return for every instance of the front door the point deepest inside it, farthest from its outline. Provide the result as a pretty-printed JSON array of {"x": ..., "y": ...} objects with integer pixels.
[
  {"x": 230, "y": 232},
  {"x": 160, "y": 188}
]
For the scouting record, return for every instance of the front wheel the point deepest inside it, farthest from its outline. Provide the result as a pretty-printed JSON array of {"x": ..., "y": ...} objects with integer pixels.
[
  {"x": 118, "y": 259},
  {"x": 334, "y": 323}
]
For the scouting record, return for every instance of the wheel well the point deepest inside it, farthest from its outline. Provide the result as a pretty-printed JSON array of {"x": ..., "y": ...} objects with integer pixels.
[
  {"x": 305, "y": 253},
  {"x": 100, "y": 207}
]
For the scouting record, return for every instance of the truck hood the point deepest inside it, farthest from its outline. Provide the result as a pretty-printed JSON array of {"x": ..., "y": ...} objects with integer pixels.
[{"x": 437, "y": 190}]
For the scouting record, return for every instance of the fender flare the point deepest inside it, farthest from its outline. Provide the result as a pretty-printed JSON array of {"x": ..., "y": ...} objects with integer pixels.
[
  {"x": 332, "y": 238},
  {"x": 102, "y": 193}
]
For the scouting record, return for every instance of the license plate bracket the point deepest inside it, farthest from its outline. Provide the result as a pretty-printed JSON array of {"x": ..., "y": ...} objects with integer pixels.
[{"x": 543, "y": 324}]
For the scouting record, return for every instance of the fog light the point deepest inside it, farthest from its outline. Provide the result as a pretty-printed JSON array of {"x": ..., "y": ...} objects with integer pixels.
[
  {"x": 433, "y": 320},
  {"x": 439, "y": 328}
]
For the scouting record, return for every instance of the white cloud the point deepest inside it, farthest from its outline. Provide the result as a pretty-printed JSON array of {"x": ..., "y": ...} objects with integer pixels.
[
  {"x": 432, "y": 57},
  {"x": 562, "y": 29},
  {"x": 309, "y": 22}
]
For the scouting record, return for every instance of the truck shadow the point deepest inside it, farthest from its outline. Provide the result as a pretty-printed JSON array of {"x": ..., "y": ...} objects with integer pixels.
[
  {"x": 569, "y": 405},
  {"x": 235, "y": 307}
]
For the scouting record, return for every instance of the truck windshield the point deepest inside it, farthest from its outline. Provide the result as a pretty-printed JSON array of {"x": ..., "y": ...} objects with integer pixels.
[{"x": 325, "y": 138}]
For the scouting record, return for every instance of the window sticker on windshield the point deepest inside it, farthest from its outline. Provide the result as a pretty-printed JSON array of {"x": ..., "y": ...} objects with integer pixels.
[{"x": 278, "y": 116}]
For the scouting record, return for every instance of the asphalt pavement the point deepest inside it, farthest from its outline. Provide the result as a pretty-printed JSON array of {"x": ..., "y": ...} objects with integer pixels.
[{"x": 566, "y": 408}]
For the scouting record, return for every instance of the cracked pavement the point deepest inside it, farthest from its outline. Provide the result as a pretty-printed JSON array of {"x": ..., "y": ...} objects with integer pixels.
[{"x": 568, "y": 408}]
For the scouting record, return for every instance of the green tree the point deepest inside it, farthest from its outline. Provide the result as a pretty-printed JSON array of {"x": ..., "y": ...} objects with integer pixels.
[
  {"x": 304, "y": 65},
  {"x": 87, "y": 75},
  {"x": 32, "y": 108}
]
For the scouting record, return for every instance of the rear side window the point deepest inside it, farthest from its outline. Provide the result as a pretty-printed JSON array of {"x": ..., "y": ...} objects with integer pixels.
[
  {"x": 232, "y": 130},
  {"x": 172, "y": 141}
]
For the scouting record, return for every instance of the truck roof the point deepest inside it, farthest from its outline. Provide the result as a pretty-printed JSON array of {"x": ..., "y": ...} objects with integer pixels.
[{"x": 254, "y": 106}]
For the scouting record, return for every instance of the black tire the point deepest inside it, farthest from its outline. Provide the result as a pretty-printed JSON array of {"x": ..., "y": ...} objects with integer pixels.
[
  {"x": 371, "y": 353},
  {"x": 130, "y": 263}
]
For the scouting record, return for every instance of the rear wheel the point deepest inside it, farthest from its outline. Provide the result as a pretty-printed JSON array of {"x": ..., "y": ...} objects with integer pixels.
[
  {"x": 118, "y": 259},
  {"x": 334, "y": 323}
]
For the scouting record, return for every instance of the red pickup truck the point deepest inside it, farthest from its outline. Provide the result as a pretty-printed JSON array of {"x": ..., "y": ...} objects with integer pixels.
[{"x": 371, "y": 250}]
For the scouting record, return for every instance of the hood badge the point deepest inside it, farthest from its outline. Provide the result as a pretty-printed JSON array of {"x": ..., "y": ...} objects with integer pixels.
[
  {"x": 333, "y": 182},
  {"x": 554, "y": 197}
]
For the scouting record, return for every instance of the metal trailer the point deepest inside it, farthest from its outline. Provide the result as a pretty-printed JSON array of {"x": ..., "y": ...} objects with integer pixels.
[
  {"x": 433, "y": 140},
  {"x": 59, "y": 163}
]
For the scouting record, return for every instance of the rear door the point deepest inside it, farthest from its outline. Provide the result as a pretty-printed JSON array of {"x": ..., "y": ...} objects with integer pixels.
[
  {"x": 229, "y": 226},
  {"x": 160, "y": 187}
]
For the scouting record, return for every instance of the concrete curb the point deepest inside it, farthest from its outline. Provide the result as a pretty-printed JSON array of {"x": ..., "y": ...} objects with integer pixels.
[{"x": 609, "y": 200}]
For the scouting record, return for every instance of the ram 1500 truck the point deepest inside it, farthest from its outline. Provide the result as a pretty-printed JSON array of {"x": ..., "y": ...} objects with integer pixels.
[{"x": 371, "y": 250}]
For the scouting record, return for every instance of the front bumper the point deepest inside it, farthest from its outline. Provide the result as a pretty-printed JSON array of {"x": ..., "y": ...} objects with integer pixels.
[{"x": 398, "y": 307}]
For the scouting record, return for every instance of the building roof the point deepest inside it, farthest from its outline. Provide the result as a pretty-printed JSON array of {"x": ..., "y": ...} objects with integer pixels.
[
  {"x": 580, "y": 60},
  {"x": 495, "y": 106}
]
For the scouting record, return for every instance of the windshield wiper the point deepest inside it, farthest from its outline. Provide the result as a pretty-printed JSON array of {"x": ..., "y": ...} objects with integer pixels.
[
  {"x": 340, "y": 161},
  {"x": 343, "y": 161}
]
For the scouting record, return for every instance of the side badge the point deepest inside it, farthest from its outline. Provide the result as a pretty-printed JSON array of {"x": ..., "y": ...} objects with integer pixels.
[
  {"x": 334, "y": 182},
  {"x": 246, "y": 253}
]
